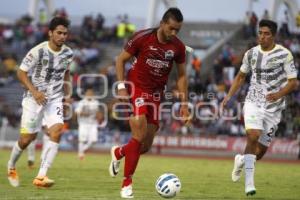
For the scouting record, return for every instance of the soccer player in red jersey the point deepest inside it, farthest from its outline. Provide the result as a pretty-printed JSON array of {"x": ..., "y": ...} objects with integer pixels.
[{"x": 154, "y": 51}]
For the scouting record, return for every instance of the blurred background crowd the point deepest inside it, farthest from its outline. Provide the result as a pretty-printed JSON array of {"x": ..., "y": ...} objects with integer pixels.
[{"x": 95, "y": 47}]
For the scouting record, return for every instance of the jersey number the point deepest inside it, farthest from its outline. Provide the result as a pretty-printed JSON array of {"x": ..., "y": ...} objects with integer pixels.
[
  {"x": 58, "y": 111},
  {"x": 271, "y": 132}
]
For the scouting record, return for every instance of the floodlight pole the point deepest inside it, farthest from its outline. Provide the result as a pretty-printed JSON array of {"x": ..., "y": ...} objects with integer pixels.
[
  {"x": 153, "y": 8},
  {"x": 33, "y": 8}
]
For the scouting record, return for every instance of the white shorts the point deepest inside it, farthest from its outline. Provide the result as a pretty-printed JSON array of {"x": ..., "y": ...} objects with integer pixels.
[
  {"x": 88, "y": 132},
  {"x": 33, "y": 115},
  {"x": 259, "y": 118}
]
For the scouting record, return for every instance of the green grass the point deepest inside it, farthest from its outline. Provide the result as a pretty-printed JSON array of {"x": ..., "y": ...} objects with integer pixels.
[{"x": 200, "y": 178}]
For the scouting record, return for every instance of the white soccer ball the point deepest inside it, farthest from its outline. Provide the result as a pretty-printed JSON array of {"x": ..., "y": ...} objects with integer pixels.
[{"x": 168, "y": 185}]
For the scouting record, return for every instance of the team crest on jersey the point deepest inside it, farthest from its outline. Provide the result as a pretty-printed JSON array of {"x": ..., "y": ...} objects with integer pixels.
[
  {"x": 169, "y": 55},
  {"x": 139, "y": 102},
  {"x": 45, "y": 62},
  {"x": 64, "y": 63}
]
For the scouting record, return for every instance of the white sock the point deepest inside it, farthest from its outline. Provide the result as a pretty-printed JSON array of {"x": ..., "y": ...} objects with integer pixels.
[
  {"x": 49, "y": 155},
  {"x": 14, "y": 156},
  {"x": 243, "y": 160},
  {"x": 249, "y": 169},
  {"x": 46, "y": 139},
  {"x": 81, "y": 147},
  {"x": 31, "y": 151},
  {"x": 87, "y": 145}
]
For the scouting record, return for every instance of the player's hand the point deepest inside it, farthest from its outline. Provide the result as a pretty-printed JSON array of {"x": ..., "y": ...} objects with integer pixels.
[
  {"x": 273, "y": 97},
  {"x": 68, "y": 100},
  {"x": 39, "y": 97},
  {"x": 224, "y": 104},
  {"x": 185, "y": 114},
  {"x": 123, "y": 95}
]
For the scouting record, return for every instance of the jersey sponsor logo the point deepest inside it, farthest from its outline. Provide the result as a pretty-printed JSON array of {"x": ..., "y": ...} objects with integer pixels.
[
  {"x": 32, "y": 123},
  {"x": 28, "y": 59},
  {"x": 169, "y": 55},
  {"x": 157, "y": 63},
  {"x": 152, "y": 48},
  {"x": 139, "y": 102},
  {"x": 292, "y": 67},
  {"x": 272, "y": 60},
  {"x": 45, "y": 62}
]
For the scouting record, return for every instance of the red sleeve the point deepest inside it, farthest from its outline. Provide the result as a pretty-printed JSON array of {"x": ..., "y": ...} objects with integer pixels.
[
  {"x": 180, "y": 58},
  {"x": 133, "y": 45}
]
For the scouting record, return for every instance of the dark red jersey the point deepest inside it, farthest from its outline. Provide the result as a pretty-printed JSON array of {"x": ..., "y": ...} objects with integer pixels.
[{"x": 154, "y": 60}]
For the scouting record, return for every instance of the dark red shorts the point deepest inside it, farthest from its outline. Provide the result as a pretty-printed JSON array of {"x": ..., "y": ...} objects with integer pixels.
[{"x": 145, "y": 102}]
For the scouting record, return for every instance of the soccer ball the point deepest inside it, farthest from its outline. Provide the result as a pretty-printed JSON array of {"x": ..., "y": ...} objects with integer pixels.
[{"x": 168, "y": 185}]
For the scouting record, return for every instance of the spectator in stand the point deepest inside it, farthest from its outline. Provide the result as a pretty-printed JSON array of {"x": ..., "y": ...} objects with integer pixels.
[
  {"x": 196, "y": 64},
  {"x": 43, "y": 17},
  {"x": 298, "y": 20},
  {"x": 246, "y": 26},
  {"x": 284, "y": 30},
  {"x": 253, "y": 24},
  {"x": 266, "y": 15}
]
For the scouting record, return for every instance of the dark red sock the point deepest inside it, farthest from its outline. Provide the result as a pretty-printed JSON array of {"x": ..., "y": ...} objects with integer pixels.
[
  {"x": 119, "y": 152},
  {"x": 132, "y": 155}
]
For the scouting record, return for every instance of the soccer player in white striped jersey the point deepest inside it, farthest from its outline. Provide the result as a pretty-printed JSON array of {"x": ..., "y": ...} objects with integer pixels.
[
  {"x": 43, "y": 72},
  {"x": 274, "y": 76}
]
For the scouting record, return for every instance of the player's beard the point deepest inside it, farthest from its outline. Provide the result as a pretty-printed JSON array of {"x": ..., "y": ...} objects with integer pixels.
[
  {"x": 59, "y": 44},
  {"x": 168, "y": 37}
]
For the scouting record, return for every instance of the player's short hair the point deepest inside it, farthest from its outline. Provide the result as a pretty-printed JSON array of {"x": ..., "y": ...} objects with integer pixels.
[
  {"x": 173, "y": 13},
  {"x": 270, "y": 24},
  {"x": 56, "y": 21}
]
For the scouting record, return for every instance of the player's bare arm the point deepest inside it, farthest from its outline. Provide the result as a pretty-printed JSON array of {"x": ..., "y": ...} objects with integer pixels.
[
  {"x": 67, "y": 89},
  {"x": 182, "y": 88},
  {"x": 38, "y": 96},
  {"x": 290, "y": 86},
  {"x": 237, "y": 83},
  {"x": 120, "y": 70}
]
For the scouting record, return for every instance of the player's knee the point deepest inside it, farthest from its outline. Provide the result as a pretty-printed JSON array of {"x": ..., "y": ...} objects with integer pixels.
[
  {"x": 253, "y": 136},
  {"x": 145, "y": 148},
  {"x": 56, "y": 132},
  {"x": 25, "y": 141}
]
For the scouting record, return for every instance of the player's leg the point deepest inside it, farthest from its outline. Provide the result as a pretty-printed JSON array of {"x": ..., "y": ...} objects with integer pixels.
[
  {"x": 250, "y": 159},
  {"x": 270, "y": 123},
  {"x": 51, "y": 150},
  {"x": 143, "y": 129},
  {"x": 54, "y": 119},
  {"x": 82, "y": 140},
  {"x": 254, "y": 125},
  {"x": 132, "y": 150},
  {"x": 19, "y": 146},
  {"x": 118, "y": 152},
  {"x": 147, "y": 143},
  {"x": 46, "y": 139},
  {"x": 30, "y": 125},
  {"x": 153, "y": 123},
  {"x": 31, "y": 154},
  {"x": 92, "y": 137}
]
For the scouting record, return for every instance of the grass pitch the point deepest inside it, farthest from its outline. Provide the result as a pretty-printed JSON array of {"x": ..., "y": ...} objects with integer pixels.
[{"x": 200, "y": 178}]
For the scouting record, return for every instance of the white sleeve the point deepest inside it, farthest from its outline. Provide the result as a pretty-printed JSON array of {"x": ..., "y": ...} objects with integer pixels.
[
  {"x": 78, "y": 109},
  {"x": 29, "y": 61},
  {"x": 289, "y": 67},
  {"x": 245, "y": 67}
]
